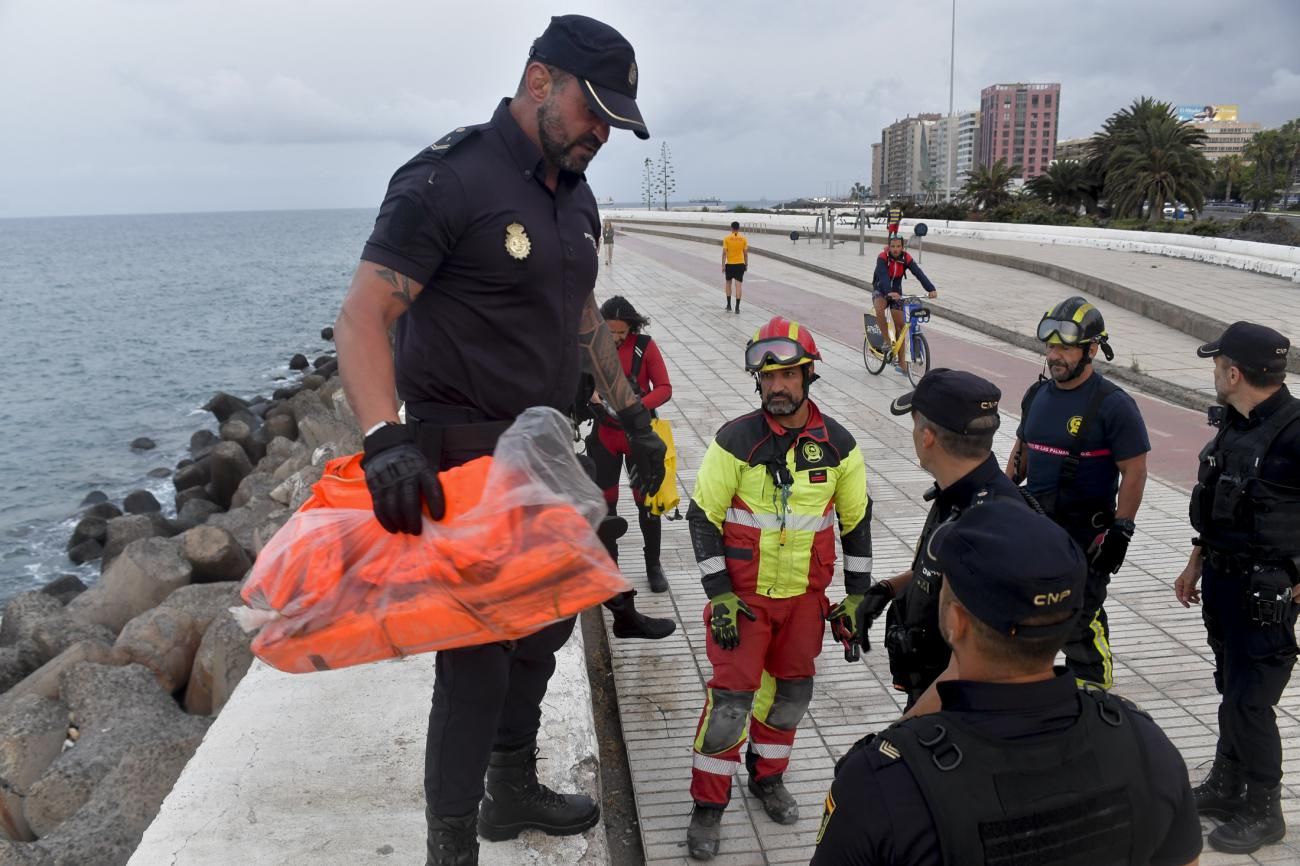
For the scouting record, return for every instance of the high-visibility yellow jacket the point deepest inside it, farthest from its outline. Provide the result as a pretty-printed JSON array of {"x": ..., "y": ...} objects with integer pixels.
[{"x": 766, "y": 500}]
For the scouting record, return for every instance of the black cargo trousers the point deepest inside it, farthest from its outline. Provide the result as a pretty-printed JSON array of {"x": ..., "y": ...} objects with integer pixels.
[
  {"x": 486, "y": 697},
  {"x": 1087, "y": 650},
  {"x": 1252, "y": 666}
]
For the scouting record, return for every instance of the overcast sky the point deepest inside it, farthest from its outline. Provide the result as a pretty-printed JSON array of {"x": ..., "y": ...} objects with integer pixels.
[{"x": 137, "y": 106}]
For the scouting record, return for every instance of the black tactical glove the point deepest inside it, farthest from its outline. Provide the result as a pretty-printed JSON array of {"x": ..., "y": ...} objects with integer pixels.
[
  {"x": 873, "y": 605},
  {"x": 646, "y": 468},
  {"x": 1106, "y": 554},
  {"x": 398, "y": 475},
  {"x": 724, "y": 619}
]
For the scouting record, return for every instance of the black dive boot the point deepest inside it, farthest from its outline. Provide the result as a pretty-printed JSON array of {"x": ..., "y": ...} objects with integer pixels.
[
  {"x": 651, "y": 534},
  {"x": 514, "y": 801},
  {"x": 631, "y": 623},
  {"x": 704, "y": 832},
  {"x": 1258, "y": 824},
  {"x": 1223, "y": 793},
  {"x": 451, "y": 841}
]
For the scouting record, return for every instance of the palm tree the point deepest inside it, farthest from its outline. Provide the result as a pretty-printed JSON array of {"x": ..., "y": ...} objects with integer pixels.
[
  {"x": 1066, "y": 185},
  {"x": 1268, "y": 151},
  {"x": 1155, "y": 161},
  {"x": 858, "y": 192},
  {"x": 1231, "y": 170},
  {"x": 1119, "y": 128},
  {"x": 987, "y": 185},
  {"x": 1290, "y": 153}
]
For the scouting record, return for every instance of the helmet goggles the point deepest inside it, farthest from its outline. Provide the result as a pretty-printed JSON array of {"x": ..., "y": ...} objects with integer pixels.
[
  {"x": 1067, "y": 333},
  {"x": 774, "y": 353}
]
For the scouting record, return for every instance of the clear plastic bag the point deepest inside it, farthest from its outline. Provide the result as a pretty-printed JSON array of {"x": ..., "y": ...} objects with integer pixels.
[{"x": 515, "y": 552}]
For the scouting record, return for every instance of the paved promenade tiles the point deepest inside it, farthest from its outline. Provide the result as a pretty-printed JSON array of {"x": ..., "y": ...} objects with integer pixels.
[{"x": 1161, "y": 659}]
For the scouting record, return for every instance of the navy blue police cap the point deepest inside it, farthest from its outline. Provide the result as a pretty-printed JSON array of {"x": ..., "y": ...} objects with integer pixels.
[
  {"x": 604, "y": 63},
  {"x": 1257, "y": 347},
  {"x": 951, "y": 398},
  {"x": 1007, "y": 564}
]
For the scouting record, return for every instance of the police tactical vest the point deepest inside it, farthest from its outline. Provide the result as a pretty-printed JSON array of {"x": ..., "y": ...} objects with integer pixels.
[
  {"x": 1072, "y": 798},
  {"x": 919, "y": 609},
  {"x": 1232, "y": 506}
]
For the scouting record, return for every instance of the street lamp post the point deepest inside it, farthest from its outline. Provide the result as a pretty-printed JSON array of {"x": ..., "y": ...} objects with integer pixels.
[{"x": 950, "y": 166}]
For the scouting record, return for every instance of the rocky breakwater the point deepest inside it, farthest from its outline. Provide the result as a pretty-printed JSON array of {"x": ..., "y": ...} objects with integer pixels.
[{"x": 106, "y": 691}]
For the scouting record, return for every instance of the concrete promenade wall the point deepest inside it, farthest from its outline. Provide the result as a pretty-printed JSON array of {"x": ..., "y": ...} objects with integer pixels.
[
  {"x": 327, "y": 769},
  {"x": 1272, "y": 259}
]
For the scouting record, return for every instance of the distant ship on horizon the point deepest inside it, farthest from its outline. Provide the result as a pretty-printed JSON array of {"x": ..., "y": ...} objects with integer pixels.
[{"x": 706, "y": 201}]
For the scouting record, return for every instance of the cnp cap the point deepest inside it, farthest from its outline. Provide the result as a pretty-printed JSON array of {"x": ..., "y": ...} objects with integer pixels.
[
  {"x": 604, "y": 63},
  {"x": 1007, "y": 564},
  {"x": 951, "y": 398},
  {"x": 1250, "y": 345}
]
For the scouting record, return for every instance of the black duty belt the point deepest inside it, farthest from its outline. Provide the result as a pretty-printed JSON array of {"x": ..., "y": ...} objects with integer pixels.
[
  {"x": 1233, "y": 563},
  {"x": 453, "y": 434}
]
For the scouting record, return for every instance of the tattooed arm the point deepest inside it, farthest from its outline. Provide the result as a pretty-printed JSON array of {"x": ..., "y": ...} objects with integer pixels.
[
  {"x": 377, "y": 298},
  {"x": 600, "y": 359}
]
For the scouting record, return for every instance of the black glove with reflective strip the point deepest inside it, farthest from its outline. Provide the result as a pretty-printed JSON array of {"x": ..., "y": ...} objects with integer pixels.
[
  {"x": 1107, "y": 553},
  {"x": 647, "y": 450},
  {"x": 398, "y": 476}
]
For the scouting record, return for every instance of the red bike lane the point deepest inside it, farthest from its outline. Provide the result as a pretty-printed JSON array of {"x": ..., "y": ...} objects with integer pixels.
[{"x": 1177, "y": 434}]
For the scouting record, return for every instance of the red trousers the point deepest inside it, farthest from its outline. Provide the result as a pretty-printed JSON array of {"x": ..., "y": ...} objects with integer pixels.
[{"x": 759, "y": 692}]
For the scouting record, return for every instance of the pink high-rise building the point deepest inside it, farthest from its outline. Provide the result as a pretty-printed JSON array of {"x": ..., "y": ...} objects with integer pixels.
[{"x": 1018, "y": 125}]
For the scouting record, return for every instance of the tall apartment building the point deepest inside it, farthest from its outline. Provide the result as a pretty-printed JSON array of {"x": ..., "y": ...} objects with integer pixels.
[
  {"x": 1226, "y": 137},
  {"x": 1018, "y": 125},
  {"x": 905, "y": 152},
  {"x": 1072, "y": 149},
  {"x": 954, "y": 149},
  {"x": 877, "y": 170}
]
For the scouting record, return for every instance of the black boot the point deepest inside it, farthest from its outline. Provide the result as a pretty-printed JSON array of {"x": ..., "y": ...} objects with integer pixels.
[
  {"x": 654, "y": 572},
  {"x": 630, "y": 623},
  {"x": 1223, "y": 793},
  {"x": 777, "y": 802},
  {"x": 451, "y": 841},
  {"x": 703, "y": 833},
  {"x": 1260, "y": 823},
  {"x": 514, "y": 800},
  {"x": 651, "y": 534}
]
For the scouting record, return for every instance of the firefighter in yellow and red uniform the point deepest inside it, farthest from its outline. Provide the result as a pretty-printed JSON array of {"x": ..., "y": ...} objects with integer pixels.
[{"x": 762, "y": 519}]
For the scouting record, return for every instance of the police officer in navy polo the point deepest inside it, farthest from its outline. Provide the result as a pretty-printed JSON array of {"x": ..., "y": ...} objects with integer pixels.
[
  {"x": 1081, "y": 449},
  {"x": 484, "y": 258},
  {"x": 1246, "y": 511},
  {"x": 1020, "y": 765},
  {"x": 954, "y": 418}
]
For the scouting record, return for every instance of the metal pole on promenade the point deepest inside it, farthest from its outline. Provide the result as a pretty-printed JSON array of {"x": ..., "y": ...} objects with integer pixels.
[
  {"x": 862, "y": 231},
  {"x": 950, "y": 167}
]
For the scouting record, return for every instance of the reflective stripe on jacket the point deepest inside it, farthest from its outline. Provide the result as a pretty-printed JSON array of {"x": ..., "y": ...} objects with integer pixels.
[{"x": 750, "y": 538}]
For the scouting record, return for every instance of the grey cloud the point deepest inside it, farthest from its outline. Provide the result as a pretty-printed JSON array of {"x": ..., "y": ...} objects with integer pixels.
[{"x": 228, "y": 107}]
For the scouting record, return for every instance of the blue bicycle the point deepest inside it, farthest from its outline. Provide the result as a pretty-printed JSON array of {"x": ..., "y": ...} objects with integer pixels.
[{"x": 879, "y": 351}]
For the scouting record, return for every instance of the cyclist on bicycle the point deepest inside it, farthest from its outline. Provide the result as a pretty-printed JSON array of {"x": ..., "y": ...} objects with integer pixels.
[{"x": 892, "y": 266}]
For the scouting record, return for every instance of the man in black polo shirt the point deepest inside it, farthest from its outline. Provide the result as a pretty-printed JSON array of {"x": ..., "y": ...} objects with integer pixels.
[
  {"x": 954, "y": 416},
  {"x": 1020, "y": 765},
  {"x": 1081, "y": 448},
  {"x": 484, "y": 257},
  {"x": 1246, "y": 507}
]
